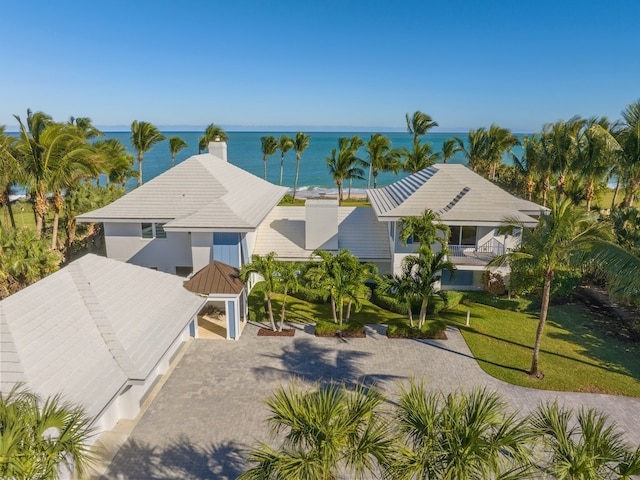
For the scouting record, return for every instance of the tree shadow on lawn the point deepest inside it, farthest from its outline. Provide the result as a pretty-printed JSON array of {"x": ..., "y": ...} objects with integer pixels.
[
  {"x": 597, "y": 351},
  {"x": 179, "y": 460},
  {"x": 321, "y": 363}
]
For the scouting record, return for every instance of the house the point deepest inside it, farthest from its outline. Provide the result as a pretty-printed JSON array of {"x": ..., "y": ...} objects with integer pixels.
[
  {"x": 98, "y": 331},
  {"x": 470, "y": 205}
]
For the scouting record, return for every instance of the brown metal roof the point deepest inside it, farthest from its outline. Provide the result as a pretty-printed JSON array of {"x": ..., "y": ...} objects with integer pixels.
[{"x": 217, "y": 277}]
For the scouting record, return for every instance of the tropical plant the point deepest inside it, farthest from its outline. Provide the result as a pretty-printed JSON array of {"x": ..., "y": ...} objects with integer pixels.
[
  {"x": 325, "y": 432},
  {"x": 584, "y": 446},
  {"x": 41, "y": 439},
  {"x": 457, "y": 436},
  {"x": 117, "y": 162},
  {"x": 85, "y": 127},
  {"x": 449, "y": 148},
  {"x": 300, "y": 144},
  {"x": 621, "y": 266},
  {"x": 629, "y": 140},
  {"x": 211, "y": 133},
  {"x": 9, "y": 173},
  {"x": 419, "y": 124},
  {"x": 175, "y": 145},
  {"x": 144, "y": 135},
  {"x": 344, "y": 164},
  {"x": 556, "y": 243},
  {"x": 285, "y": 143},
  {"x": 402, "y": 287},
  {"x": 266, "y": 266},
  {"x": 425, "y": 230},
  {"x": 382, "y": 158},
  {"x": 269, "y": 147},
  {"x": 475, "y": 152},
  {"x": 419, "y": 157},
  {"x": 288, "y": 282}
]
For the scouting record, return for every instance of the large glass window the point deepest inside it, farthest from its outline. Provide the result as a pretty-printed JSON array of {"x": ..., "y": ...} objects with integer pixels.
[
  {"x": 462, "y": 278},
  {"x": 462, "y": 235}
]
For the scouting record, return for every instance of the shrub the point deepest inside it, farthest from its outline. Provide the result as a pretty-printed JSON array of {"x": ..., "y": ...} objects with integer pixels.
[
  {"x": 513, "y": 304},
  {"x": 310, "y": 295},
  {"x": 434, "y": 329},
  {"x": 493, "y": 283},
  {"x": 325, "y": 328}
]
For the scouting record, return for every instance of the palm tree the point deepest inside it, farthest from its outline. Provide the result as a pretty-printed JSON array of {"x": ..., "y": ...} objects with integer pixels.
[
  {"x": 402, "y": 287},
  {"x": 449, "y": 148},
  {"x": 9, "y": 173},
  {"x": 285, "y": 143},
  {"x": 476, "y": 152},
  {"x": 382, "y": 158},
  {"x": 419, "y": 124},
  {"x": 117, "y": 162},
  {"x": 175, "y": 145},
  {"x": 629, "y": 140},
  {"x": 300, "y": 144},
  {"x": 211, "y": 133},
  {"x": 325, "y": 432},
  {"x": 266, "y": 266},
  {"x": 554, "y": 244},
  {"x": 499, "y": 141},
  {"x": 269, "y": 147},
  {"x": 588, "y": 446},
  {"x": 419, "y": 158},
  {"x": 85, "y": 127},
  {"x": 621, "y": 266},
  {"x": 425, "y": 230},
  {"x": 427, "y": 268},
  {"x": 344, "y": 164},
  {"x": 457, "y": 436},
  {"x": 144, "y": 136},
  {"x": 287, "y": 278},
  {"x": 530, "y": 165},
  {"x": 42, "y": 439}
]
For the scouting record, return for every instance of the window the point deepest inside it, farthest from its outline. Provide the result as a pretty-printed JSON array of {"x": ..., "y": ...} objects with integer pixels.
[
  {"x": 183, "y": 271},
  {"x": 153, "y": 230},
  {"x": 462, "y": 235},
  {"x": 462, "y": 278}
]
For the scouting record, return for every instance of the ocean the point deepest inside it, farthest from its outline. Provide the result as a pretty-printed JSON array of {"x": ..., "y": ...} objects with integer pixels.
[{"x": 244, "y": 150}]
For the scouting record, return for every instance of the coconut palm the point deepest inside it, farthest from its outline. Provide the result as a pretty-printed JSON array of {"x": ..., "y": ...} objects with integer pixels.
[
  {"x": 285, "y": 143},
  {"x": 117, "y": 162},
  {"x": 449, "y": 148},
  {"x": 144, "y": 135},
  {"x": 211, "y": 133},
  {"x": 583, "y": 446},
  {"x": 325, "y": 432},
  {"x": 40, "y": 439},
  {"x": 266, "y": 267},
  {"x": 499, "y": 141},
  {"x": 402, "y": 287},
  {"x": 476, "y": 151},
  {"x": 419, "y": 124},
  {"x": 621, "y": 266},
  {"x": 425, "y": 230},
  {"x": 560, "y": 236},
  {"x": 269, "y": 146},
  {"x": 9, "y": 173},
  {"x": 529, "y": 166},
  {"x": 85, "y": 127},
  {"x": 288, "y": 282},
  {"x": 175, "y": 145},
  {"x": 344, "y": 164},
  {"x": 300, "y": 144},
  {"x": 457, "y": 436},
  {"x": 421, "y": 156},
  {"x": 382, "y": 158},
  {"x": 629, "y": 140}
]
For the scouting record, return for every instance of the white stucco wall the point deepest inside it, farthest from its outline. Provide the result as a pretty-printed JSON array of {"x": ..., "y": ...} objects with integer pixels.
[
  {"x": 201, "y": 246},
  {"x": 250, "y": 238},
  {"x": 124, "y": 242}
]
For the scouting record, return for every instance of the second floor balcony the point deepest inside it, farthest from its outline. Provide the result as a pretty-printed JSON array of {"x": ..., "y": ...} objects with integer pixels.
[{"x": 479, "y": 254}]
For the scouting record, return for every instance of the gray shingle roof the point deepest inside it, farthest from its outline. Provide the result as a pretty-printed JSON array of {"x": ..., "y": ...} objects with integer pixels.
[
  {"x": 91, "y": 327},
  {"x": 454, "y": 192},
  {"x": 283, "y": 231},
  {"x": 203, "y": 192}
]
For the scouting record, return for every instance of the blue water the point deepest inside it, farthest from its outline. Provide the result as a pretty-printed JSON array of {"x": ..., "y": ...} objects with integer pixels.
[{"x": 243, "y": 150}]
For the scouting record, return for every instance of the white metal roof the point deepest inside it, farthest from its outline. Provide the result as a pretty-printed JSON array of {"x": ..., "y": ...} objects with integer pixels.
[
  {"x": 203, "y": 192},
  {"x": 283, "y": 232},
  {"x": 454, "y": 192},
  {"x": 88, "y": 329}
]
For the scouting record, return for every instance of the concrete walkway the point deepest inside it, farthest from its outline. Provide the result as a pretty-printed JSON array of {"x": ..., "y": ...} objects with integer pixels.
[{"x": 211, "y": 409}]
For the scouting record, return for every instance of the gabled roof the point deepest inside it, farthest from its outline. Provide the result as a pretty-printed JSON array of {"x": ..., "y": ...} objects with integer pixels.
[
  {"x": 90, "y": 328},
  {"x": 203, "y": 192},
  {"x": 217, "y": 277},
  {"x": 283, "y": 231},
  {"x": 454, "y": 192}
]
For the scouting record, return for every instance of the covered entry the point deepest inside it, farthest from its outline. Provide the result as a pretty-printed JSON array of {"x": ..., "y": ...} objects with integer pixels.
[{"x": 224, "y": 315}]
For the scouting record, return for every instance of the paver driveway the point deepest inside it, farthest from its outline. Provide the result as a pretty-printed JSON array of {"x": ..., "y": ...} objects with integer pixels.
[{"x": 211, "y": 409}]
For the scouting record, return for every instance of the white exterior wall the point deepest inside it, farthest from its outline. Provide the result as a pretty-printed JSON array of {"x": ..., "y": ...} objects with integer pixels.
[
  {"x": 250, "y": 238},
  {"x": 201, "y": 247},
  {"x": 124, "y": 242},
  {"x": 126, "y": 404}
]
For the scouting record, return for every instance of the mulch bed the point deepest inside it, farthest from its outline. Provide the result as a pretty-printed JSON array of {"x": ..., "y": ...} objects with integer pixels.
[
  {"x": 437, "y": 336},
  {"x": 360, "y": 334},
  {"x": 267, "y": 332}
]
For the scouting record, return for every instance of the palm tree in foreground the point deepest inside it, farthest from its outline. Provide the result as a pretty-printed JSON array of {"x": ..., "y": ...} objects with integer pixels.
[
  {"x": 269, "y": 146},
  {"x": 325, "y": 432},
  {"x": 175, "y": 145},
  {"x": 42, "y": 439},
  {"x": 266, "y": 267},
  {"x": 300, "y": 144},
  {"x": 457, "y": 436},
  {"x": 560, "y": 240},
  {"x": 144, "y": 135}
]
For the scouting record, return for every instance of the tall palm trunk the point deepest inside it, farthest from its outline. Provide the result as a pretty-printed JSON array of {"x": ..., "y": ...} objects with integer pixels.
[
  {"x": 140, "y": 169},
  {"x": 423, "y": 310},
  {"x": 264, "y": 162},
  {"x": 281, "y": 167},
  {"x": 410, "y": 315},
  {"x": 8, "y": 209},
  {"x": 284, "y": 301},
  {"x": 544, "y": 309},
  {"x": 295, "y": 182},
  {"x": 590, "y": 193},
  {"x": 615, "y": 194},
  {"x": 71, "y": 237},
  {"x": 349, "y": 310},
  {"x": 40, "y": 210},
  {"x": 270, "y": 312},
  {"x": 375, "y": 178},
  {"x": 58, "y": 202},
  {"x": 333, "y": 309}
]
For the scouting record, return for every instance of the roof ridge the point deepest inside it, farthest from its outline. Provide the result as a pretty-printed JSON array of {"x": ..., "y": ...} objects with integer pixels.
[{"x": 106, "y": 330}]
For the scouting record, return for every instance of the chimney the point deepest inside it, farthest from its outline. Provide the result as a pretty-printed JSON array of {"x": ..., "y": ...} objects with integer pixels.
[
  {"x": 321, "y": 223},
  {"x": 218, "y": 148}
]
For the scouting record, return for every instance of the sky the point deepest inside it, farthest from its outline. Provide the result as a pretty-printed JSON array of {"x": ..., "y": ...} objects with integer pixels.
[{"x": 319, "y": 65}]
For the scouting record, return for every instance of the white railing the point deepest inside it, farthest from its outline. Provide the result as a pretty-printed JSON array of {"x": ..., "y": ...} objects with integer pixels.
[{"x": 491, "y": 248}]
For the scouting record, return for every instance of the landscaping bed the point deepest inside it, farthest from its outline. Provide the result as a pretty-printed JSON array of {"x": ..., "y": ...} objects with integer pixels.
[
  {"x": 267, "y": 332},
  {"x": 431, "y": 330},
  {"x": 346, "y": 330}
]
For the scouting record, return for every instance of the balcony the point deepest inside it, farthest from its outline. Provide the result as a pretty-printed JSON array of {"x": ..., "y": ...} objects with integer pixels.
[{"x": 476, "y": 254}]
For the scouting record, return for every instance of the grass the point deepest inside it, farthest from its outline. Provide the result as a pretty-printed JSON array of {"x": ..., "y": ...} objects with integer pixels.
[{"x": 575, "y": 355}]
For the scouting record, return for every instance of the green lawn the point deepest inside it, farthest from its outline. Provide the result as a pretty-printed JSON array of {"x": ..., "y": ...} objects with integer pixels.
[{"x": 575, "y": 355}]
